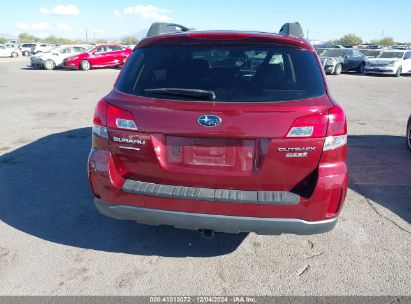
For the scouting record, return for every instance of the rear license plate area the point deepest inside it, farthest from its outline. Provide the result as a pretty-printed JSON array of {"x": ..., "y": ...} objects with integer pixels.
[{"x": 210, "y": 152}]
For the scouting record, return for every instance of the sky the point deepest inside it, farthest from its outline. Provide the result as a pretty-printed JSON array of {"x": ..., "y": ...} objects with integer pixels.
[{"x": 114, "y": 19}]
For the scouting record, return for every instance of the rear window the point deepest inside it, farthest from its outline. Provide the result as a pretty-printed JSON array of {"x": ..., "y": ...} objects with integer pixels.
[{"x": 234, "y": 73}]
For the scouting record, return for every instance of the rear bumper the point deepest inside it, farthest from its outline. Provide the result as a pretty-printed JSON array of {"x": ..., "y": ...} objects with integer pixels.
[
  {"x": 263, "y": 212},
  {"x": 386, "y": 71},
  {"x": 218, "y": 223}
]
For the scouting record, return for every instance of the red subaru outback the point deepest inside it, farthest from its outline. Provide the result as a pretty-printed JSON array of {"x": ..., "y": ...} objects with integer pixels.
[{"x": 222, "y": 131}]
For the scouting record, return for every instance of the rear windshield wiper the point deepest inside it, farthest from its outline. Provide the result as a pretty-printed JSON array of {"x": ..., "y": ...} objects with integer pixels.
[{"x": 202, "y": 94}]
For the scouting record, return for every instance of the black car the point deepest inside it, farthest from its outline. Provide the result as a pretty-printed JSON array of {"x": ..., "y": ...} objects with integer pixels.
[
  {"x": 335, "y": 61},
  {"x": 409, "y": 133}
]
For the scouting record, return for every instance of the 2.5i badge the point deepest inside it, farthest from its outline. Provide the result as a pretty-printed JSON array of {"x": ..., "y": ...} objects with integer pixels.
[{"x": 297, "y": 152}]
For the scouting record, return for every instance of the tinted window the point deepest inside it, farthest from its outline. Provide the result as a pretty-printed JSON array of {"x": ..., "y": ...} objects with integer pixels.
[
  {"x": 388, "y": 55},
  {"x": 101, "y": 49},
  {"x": 243, "y": 73},
  {"x": 334, "y": 53},
  {"x": 357, "y": 53},
  {"x": 114, "y": 48},
  {"x": 77, "y": 49},
  {"x": 371, "y": 53}
]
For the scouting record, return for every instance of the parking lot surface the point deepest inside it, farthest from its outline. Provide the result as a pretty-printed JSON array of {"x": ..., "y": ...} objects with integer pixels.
[{"x": 53, "y": 241}]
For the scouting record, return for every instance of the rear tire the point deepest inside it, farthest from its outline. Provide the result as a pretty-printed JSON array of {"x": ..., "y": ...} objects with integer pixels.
[
  {"x": 26, "y": 53},
  {"x": 14, "y": 54},
  {"x": 361, "y": 68},
  {"x": 85, "y": 65},
  {"x": 49, "y": 65},
  {"x": 338, "y": 69},
  {"x": 408, "y": 136},
  {"x": 398, "y": 72}
]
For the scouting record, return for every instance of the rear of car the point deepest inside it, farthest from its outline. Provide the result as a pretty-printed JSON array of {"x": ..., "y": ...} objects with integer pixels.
[
  {"x": 227, "y": 131},
  {"x": 25, "y": 48},
  {"x": 41, "y": 48}
]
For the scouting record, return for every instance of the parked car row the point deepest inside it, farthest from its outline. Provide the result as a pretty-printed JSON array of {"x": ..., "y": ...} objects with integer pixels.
[
  {"x": 26, "y": 49},
  {"x": 369, "y": 61},
  {"x": 55, "y": 57},
  {"x": 81, "y": 57}
]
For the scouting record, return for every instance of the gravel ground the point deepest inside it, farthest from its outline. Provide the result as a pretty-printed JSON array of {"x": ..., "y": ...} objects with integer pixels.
[{"x": 53, "y": 242}]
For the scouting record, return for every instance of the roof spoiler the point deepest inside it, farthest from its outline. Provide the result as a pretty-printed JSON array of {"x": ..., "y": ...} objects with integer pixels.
[
  {"x": 292, "y": 29},
  {"x": 158, "y": 28}
]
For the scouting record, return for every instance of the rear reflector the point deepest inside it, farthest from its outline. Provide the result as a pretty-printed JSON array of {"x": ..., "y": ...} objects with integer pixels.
[
  {"x": 334, "y": 204},
  {"x": 126, "y": 124},
  {"x": 120, "y": 119},
  {"x": 301, "y": 132}
]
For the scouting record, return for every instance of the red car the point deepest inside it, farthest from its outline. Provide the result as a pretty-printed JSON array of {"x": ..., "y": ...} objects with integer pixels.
[
  {"x": 221, "y": 131},
  {"x": 99, "y": 56}
]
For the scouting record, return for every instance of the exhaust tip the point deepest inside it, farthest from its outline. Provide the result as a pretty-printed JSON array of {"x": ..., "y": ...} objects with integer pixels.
[{"x": 207, "y": 233}]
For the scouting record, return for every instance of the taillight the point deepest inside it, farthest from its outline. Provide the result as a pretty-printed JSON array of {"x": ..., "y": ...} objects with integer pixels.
[
  {"x": 313, "y": 125},
  {"x": 331, "y": 125},
  {"x": 100, "y": 119},
  {"x": 337, "y": 129},
  {"x": 120, "y": 119}
]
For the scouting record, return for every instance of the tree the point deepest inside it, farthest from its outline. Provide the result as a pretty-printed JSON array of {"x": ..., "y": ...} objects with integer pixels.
[
  {"x": 129, "y": 40},
  {"x": 332, "y": 42},
  {"x": 25, "y": 37},
  {"x": 387, "y": 41},
  {"x": 3, "y": 40},
  {"x": 350, "y": 39},
  {"x": 383, "y": 41}
]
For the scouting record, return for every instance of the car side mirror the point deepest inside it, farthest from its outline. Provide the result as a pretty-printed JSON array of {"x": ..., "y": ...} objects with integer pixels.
[{"x": 93, "y": 53}]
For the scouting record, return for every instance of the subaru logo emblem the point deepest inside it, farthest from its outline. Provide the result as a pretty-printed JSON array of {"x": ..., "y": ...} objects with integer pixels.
[{"x": 209, "y": 120}]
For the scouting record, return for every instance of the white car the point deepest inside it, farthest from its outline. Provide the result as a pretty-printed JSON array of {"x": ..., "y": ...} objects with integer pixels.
[
  {"x": 42, "y": 48},
  {"x": 55, "y": 57},
  {"x": 8, "y": 52},
  {"x": 26, "y": 48},
  {"x": 390, "y": 62}
]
